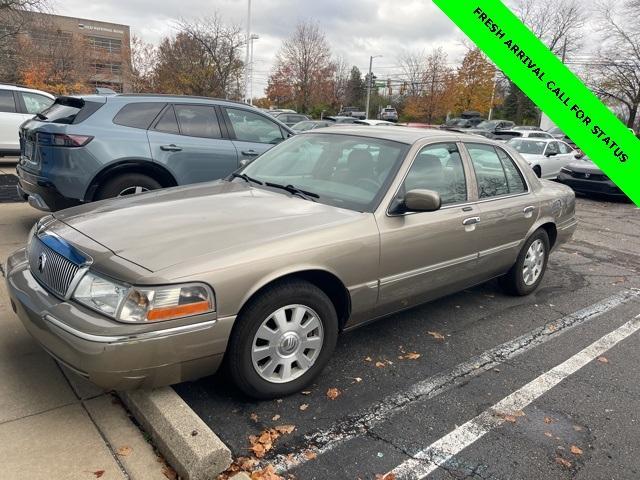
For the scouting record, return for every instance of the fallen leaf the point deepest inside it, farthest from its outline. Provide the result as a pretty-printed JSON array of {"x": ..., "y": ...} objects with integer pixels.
[
  {"x": 254, "y": 417},
  {"x": 575, "y": 450},
  {"x": 333, "y": 393},
  {"x": 563, "y": 462},
  {"x": 386, "y": 476},
  {"x": 125, "y": 451},
  {"x": 603, "y": 359},
  {"x": 275, "y": 417},
  {"x": 367, "y": 359},
  {"x": 552, "y": 327},
  {"x": 285, "y": 429},
  {"x": 169, "y": 472},
  {"x": 412, "y": 356},
  {"x": 548, "y": 420},
  {"x": 437, "y": 336},
  {"x": 357, "y": 380},
  {"x": 98, "y": 473},
  {"x": 267, "y": 473},
  {"x": 246, "y": 463},
  {"x": 309, "y": 455},
  {"x": 304, "y": 406},
  {"x": 380, "y": 364},
  {"x": 548, "y": 434},
  {"x": 306, "y": 392}
]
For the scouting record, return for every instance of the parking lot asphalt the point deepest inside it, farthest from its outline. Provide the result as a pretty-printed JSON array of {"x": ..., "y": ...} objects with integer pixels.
[{"x": 477, "y": 384}]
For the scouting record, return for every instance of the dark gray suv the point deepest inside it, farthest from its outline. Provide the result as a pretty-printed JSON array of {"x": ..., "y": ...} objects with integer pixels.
[{"x": 94, "y": 147}]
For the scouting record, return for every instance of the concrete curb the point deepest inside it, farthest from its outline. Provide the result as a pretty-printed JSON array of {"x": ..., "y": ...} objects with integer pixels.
[{"x": 180, "y": 435}]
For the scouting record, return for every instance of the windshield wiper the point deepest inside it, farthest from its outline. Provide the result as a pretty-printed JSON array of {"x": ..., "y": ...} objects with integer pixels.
[
  {"x": 246, "y": 178},
  {"x": 41, "y": 116},
  {"x": 294, "y": 190}
]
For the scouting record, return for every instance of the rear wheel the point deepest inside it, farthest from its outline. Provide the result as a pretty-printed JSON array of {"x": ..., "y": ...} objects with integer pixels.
[
  {"x": 526, "y": 274},
  {"x": 127, "y": 184},
  {"x": 283, "y": 339}
]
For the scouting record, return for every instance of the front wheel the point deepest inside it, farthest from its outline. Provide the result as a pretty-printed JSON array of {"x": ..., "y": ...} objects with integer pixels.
[
  {"x": 282, "y": 340},
  {"x": 526, "y": 274}
]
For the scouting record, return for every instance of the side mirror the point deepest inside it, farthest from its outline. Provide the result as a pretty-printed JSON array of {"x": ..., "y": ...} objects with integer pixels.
[
  {"x": 422, "y": 201},
  {"x": 551, "y": 154},
  {"x": 579, "y": 154}
]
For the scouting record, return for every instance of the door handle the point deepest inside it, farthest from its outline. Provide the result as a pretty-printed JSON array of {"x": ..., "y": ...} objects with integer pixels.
[
  {"x": 528, "y": 209},
  {"x": 471, "y": 221},
  {"x": 170, "y": 148},
  {"x": 250, "y": 153}
]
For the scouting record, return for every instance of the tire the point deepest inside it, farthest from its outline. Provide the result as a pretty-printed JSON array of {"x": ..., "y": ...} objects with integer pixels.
[
  {"x": 128, "y": 182},
  {"x": 538, "y": 171},
  {"x": 241, "y": 360},
  {"x": 514, "y": 281}
]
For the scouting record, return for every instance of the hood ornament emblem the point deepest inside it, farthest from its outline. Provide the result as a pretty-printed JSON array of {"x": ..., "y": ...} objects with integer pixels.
[{"x": 42, "y": 261}]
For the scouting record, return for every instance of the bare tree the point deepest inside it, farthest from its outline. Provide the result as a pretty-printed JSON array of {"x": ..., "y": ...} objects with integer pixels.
[
  {"x": 306, "y": 54},
  {"x": 144, "y": 59},
  {"x": 436, "y": 83},
  {"x": 221, "y": 45},
  {"x": 617, "y": 67},
  {"x": 412, "y": 64}
]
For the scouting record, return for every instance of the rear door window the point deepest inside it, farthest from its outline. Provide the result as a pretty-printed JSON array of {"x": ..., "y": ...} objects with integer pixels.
[
  {"x": 138, "y": 115},
  {"x": 7, "y": 102},
  {"x": 34, "y": 102},
  {"x": 168, "y": 122},
  {"x": 251, "y": 127},
  {"x": 490, "y": 175},
  {"x": 198, "y": 121}
]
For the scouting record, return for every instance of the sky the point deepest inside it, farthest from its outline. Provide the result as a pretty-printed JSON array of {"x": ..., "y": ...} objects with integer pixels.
[{"x": 355, "y": 29}]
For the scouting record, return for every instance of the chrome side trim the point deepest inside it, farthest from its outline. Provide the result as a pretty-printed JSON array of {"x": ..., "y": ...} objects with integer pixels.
[
  {"x": 499, "y": 248},
  {"x": 430, "y": 268},
  {"x": 167, "y": 332}
]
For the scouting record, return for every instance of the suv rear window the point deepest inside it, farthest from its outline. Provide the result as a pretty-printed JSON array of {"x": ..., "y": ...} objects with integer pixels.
[
  {"x": 69, "y": 110},
  {"x": 138, "y": 115}
]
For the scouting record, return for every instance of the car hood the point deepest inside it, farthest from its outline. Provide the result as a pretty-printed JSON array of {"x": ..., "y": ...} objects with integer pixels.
[
  {"x": 584, "y": 166},
  {"x": 164, "y": 228}
]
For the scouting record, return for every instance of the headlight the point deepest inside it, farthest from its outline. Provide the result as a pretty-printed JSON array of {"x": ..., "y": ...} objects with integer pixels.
[{"x": 143, "y": 304}]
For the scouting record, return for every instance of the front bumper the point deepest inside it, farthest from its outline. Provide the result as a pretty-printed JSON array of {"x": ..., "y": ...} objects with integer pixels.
[
  {"x": 41, "y": 193},
  {"x": 120, "y": 361},
  {"x": 603, "y": 187}
]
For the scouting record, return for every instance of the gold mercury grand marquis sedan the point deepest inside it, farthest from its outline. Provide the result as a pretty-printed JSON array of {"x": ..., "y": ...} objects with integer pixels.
[{"x": 260, "y": 272}]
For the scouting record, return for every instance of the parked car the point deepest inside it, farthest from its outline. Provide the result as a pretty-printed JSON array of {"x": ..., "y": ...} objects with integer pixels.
[
  {"x": 341, "y": 119},
  {"x": 354, "y": 112},
  {"x": 545, "y": 156},
  {"x": 290, "y": 119},
  {"x": 527, "y": 128},
  {"x": 377, "y": 123},
  {"x": 275, "y": 111},
  {"x": 327, "y": 231},
  {"x": 310, "y": 125},
  {"x": 494, "y": 129},
  {"x": 560, "y": 135},
  {"x": 586, "y": 177},
  {"x": 462, "y": 123},
  {"x": 94, "y": 147},
  {"x": 508, "y": 134},
  {"x": 388, "y": 113},
  {"x": 18, "y": 104}
]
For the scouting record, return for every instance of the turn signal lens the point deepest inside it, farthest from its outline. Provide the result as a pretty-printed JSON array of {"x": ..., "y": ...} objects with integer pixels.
[{"x": 167, "y": 313}]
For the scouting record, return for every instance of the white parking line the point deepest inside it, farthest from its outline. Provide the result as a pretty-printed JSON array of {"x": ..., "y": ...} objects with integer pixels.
[
  {"x": 356, "y": 425},
  {"x": 441, "y": 451}
]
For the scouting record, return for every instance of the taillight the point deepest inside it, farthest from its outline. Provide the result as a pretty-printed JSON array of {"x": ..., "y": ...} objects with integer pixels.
[{"x": 63, "y": 139}]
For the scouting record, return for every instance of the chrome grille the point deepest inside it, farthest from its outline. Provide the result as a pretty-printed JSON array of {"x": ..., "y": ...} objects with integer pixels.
[{"x": 50, "y": 268}]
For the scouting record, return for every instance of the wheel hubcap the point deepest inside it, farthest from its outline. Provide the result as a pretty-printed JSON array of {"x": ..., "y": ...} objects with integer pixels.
[
  {"x": 533, "y": 262},
  {"x": 133, "y": 190},
  {"x": 287, "y": 344}
]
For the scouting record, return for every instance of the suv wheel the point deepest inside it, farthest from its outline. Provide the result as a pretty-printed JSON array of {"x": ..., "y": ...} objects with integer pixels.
[
  {"x": 282, "y": 340},
  {"x": 526, "y": 274},
  {"x": 127, "y": 184}
]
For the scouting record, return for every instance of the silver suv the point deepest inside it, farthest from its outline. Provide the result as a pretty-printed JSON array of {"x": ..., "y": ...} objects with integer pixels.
[{"x": 94, "y": 147}]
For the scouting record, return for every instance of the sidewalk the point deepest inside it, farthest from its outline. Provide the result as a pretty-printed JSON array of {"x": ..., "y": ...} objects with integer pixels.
[{"x": 53, "y": 424}]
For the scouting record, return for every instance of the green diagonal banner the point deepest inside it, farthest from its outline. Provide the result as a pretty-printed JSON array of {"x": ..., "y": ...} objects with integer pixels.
[{"x": 552, "y": 86}]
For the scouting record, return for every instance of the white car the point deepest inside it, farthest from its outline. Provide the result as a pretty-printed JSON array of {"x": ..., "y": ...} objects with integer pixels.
[
  {"x": 375, "y": 123},
  {"x": 18, "y": 104},
  {"x": 545, "y": 156}
]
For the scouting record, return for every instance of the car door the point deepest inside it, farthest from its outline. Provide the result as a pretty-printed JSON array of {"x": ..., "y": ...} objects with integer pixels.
[
  {"x": 566, "y": 156},
  {"x": 424, "y": 255},
  {"x": 187, "y": 139},
  {"x": 507, "y": 207},
  {"x": 252, "y": 133},
  {"x": 10, "y": 121},
  {"x": 552, "y": 160}
]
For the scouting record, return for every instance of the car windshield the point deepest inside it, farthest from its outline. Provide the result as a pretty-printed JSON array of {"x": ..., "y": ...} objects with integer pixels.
[
  {"x": 304, "y": 126},
  {"x": 345, "y": 171},
  {"x": 534, "y": 147},
  {"x": 488, "y": 124}
]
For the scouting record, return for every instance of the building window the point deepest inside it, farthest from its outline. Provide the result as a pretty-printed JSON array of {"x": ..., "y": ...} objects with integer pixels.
[
  {"x": 111, "y": 45},
  {"x": 112, "y": 69}
]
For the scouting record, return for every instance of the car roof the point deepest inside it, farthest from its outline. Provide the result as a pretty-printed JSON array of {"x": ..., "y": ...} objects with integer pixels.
[
  {"x": 8, "y": 86},
  {"x": 145, "y": 97},
  {"x": 407, "y": 135}
]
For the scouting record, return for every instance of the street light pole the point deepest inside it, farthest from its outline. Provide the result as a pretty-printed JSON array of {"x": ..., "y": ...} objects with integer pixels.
[
  {"x": 253, "y": 37},
  {"x": 369, "y": 83},
  {"x": 246, "y": 57}
]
